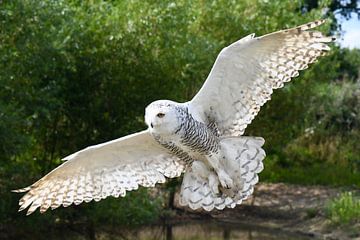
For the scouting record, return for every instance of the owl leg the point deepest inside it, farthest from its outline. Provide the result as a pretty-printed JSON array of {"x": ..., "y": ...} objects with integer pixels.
[
  {"x": 224, "y": 178},
  {"x": 203, "y": 171},
  {"x": 214, "y": 183}
]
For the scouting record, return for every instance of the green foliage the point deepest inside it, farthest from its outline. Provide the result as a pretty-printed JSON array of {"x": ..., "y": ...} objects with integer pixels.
[
  {"x": 309, "y": 174},
  {"x": 135, "y": 209},
  {"x": 345, "y": 209}
]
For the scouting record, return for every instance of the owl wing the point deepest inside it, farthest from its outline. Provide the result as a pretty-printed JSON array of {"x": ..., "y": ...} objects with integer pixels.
[
  {"x": 246, "y": 72},
  {"x": 99, "y": 171}
]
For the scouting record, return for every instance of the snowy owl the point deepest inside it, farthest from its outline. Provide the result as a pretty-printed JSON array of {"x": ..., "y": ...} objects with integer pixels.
[{"x": 202, "y": 138}]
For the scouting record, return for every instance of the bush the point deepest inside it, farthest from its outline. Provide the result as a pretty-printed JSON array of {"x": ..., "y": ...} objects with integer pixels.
[{"x": 345, "y": 209}]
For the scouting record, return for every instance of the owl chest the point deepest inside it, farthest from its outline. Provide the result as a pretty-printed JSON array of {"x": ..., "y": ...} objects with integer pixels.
[
  {"x": 194, "y": 141},
  {"x": 176, "y": 146},
  {"x": 199, "y": 137}
]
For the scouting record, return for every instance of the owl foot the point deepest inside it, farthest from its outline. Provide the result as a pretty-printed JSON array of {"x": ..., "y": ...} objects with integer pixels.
[{"x": 225, "y": 180}]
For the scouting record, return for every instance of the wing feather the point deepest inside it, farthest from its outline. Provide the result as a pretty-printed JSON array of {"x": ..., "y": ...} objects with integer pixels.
[
  {"x": 246, "y": 73},
  {"x": 108, "y": 169}
]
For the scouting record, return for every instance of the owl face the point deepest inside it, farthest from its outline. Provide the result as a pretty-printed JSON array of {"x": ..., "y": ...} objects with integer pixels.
[{"x": 162, "y": 117}]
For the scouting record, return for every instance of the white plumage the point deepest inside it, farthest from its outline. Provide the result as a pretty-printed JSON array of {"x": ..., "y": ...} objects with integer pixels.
[
  {"x": 201, "y": 138},
  {"x": 108, "y": 169},
  {"x": 246, "y": 72}
]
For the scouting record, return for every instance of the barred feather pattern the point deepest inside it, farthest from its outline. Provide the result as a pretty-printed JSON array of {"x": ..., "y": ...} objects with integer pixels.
[
  {"x": 256, "y": 66},
  {"x": 246, "y": 163},
  {"x": 196, "y": 191},
  {"x": 198, "y": 136},
  {"x": 195, "y": 137},
  {"x": 249, "y": 158},
  {"x": 99, "y": 172}
]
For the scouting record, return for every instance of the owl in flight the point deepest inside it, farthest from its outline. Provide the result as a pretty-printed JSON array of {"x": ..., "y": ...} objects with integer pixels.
[{"x": 202, "y": 138}]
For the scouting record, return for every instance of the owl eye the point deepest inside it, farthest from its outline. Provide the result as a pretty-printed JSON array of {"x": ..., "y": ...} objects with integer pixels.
[{"x": 160, "y": 115}]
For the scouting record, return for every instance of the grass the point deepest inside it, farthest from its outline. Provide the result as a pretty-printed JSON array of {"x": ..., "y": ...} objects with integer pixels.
[{"x": 344, "y": 209}]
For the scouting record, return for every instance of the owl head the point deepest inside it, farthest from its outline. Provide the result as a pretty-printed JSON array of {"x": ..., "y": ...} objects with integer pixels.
[{"x": 162, "y": 117}]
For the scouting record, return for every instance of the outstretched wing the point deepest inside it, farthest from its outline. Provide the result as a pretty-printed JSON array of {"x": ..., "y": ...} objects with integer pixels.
[
  {"x": 108, "y": 169},
  {"x": 246, "y": 72}
]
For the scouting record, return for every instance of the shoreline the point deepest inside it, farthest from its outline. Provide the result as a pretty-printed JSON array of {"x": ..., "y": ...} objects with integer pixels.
[
  {"x": 293, "y": 209},
  {"x": 275, "y": 209}
]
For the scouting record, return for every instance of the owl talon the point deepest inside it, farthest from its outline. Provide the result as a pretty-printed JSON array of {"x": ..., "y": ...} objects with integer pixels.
[{"x": 225, "y": 181}]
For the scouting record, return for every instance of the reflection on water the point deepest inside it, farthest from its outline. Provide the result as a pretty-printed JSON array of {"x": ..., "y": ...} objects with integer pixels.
[
  {"x": 205, "y": 230},
  {"x": 199, "y": 230}
]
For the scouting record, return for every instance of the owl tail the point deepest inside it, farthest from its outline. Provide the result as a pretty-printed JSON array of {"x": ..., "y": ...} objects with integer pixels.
[{"x": 242, "y": 162}]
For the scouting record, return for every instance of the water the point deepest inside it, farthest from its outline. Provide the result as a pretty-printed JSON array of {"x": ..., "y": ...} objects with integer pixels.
[
  {"x": 204, "y": 230},
  {"x": 191, "y": 230}
]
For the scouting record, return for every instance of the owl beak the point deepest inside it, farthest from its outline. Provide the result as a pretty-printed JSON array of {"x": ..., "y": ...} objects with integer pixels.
[{"x": 151, "y": 125}]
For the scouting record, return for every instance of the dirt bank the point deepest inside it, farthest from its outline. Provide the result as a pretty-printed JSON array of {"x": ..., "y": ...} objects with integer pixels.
[{"x": 289, "y": 208}]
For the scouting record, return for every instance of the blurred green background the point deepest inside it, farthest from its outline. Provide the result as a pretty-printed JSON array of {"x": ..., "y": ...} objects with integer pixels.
[{"x": 75, "y": 73}]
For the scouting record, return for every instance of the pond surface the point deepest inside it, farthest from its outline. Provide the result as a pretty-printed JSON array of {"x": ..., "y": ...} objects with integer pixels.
[
  {"x": 194, "y": 230},
  {"x": 210, "y": 230}
]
